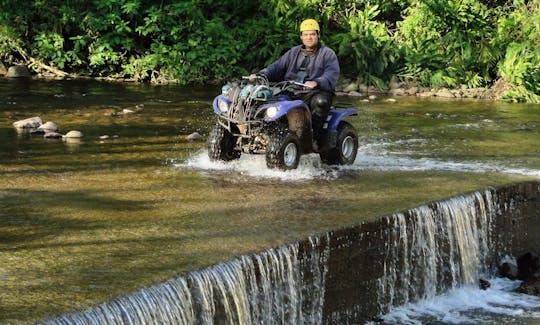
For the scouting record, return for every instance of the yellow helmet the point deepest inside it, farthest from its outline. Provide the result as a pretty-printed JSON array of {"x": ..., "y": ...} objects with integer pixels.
[{"x": 309, "y": 24}]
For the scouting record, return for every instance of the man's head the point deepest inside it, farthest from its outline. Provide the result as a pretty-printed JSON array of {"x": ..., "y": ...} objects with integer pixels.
[{"x": 309, "y": 33}]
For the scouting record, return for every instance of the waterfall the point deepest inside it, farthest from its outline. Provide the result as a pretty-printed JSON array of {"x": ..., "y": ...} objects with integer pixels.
[
  {"x": 279, "y": 285},
  {"x": 347, "y": 275},
  {"x": 434, "y": 248}
]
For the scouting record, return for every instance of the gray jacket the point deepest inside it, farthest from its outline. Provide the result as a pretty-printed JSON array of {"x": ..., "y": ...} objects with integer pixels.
[{"x": 322, "y": 68}]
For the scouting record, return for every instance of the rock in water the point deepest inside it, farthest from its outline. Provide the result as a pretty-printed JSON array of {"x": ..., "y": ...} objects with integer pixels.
[
  {"x": 528, "y": 266},
  {"x": 195, "y": 136},
  {"x": 52, "y": 135},
  {"x": 29, "y": 123},
  {"x": 484, "y": 284},
  {"x": 530, "y": 287},
  {"x": 74, "y": 134},
  {"x": 18, "y": 71},
  {"x": 3, "y": 69},
  {"x": 47, "y": 127}
]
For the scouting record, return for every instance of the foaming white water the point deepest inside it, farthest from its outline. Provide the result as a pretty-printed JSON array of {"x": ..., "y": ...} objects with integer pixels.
[
  {"x": 371, "y": 156},
  {"x": 310, "y": 167},
  {"x": 375, "y": 156},
  {"x": 470, "y": 305}
]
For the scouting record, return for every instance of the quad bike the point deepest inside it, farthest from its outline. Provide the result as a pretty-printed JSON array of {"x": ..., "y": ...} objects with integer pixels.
[{"x": 259, "y": 118}]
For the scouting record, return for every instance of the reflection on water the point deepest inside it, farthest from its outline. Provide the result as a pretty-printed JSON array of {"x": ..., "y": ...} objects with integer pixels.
[{"x": 135, "y": 202}]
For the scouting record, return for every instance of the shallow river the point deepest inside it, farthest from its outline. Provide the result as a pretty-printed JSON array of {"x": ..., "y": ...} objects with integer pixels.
[{"x": 135, "y": 203}]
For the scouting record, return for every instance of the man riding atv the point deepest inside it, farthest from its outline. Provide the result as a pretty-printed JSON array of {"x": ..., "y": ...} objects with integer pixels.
[
  {"x": 314, "y": 65},
  {"x": 286, "y": 111}
]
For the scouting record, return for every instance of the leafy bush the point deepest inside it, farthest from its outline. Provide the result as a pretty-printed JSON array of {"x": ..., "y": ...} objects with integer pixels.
[
  {"x": 447, "y": 43},
  {"x": 366, "y": 46},
  {"x": 429, "y": 42},
  {"x": 519, "y": 35}
]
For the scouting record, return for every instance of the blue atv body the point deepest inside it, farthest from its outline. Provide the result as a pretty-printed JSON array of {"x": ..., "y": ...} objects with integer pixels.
[{"x": 263, "y": 119}]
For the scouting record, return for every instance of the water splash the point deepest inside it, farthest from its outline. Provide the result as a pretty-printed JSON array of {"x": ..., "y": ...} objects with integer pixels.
[
  {"x": 470, "y": 305},
  {"x": 371, "y": 156},
  {"x": 310, "y": 167}
]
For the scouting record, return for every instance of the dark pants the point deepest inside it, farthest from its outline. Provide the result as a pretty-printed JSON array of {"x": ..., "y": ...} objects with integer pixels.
[{"x": 319, "y": 102}]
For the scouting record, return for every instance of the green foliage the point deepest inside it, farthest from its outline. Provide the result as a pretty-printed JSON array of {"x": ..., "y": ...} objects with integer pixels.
[
  {"x": 366, "y": 45},
  {"x": 429, "y": 42},
  {"x": 50, "y": 48},
  {"x": 447, "y": 43},
  {"x": 519, "y": 35}
]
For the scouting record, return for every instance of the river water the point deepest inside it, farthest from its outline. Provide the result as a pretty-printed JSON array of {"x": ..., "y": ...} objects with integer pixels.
[{"x": 135, "y": 203}]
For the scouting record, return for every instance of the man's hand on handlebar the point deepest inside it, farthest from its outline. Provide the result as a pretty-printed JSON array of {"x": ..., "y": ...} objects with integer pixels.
[
  {"x": 310, "y": 84},
  {"x": 252, "y": 78}
]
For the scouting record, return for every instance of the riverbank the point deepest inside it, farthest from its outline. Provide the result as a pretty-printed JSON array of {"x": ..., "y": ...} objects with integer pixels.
[
  {"x": 348, "y": 87},
  {"x": 345, "y": 87}
]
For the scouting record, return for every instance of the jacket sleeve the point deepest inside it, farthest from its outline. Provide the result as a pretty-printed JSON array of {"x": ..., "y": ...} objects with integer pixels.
[
  {"x": 330, "y": 67},
  {"x": 276, "y": 70}
]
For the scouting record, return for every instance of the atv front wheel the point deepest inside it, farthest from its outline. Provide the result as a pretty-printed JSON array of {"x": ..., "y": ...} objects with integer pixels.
[
  {"x": 221, "y": 144},
  {"x": 283, "y": 150},
  {"x": 344, "y": 153}
]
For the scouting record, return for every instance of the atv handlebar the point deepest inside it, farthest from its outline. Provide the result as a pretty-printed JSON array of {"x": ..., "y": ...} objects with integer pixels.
[{"x": 262, "y": 79}]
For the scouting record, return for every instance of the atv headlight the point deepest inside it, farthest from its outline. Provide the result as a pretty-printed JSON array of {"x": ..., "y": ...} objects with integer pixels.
[
  {"x": 272, "y": 111},
  {"x": 223, "y": 105}
]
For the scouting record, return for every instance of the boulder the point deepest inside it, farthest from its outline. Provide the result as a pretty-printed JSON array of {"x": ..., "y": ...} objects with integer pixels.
[
  {"x": 397, "y": 92},
  {"x": 47, "y": 127},
  {"x": 3, "y": 69},
  {"x": 74, "y": 134},
  {"x": 195, "y": 136},
  {"x": 530, "y": 287},
  {"x": 444, "y": 93},
  {"x": 29, "y": 123},
  {"x": 484, "y": 284},
  {"x": 508, "y": 270},
  {"x": 528, "y": 266},
  {"x": 353, "y": 86},
  {"x": 18, "y": 71},
  {"x": 411, "y": 91},
  {"x": 355, "y": 94},
  {"x": 425, "y": 94},
  {"x": 52, "y": 135},
  {"x": 394, "y": 83}
]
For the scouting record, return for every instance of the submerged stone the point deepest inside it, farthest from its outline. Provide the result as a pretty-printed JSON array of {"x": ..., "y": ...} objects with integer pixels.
[{"x": 52, "y": 135}]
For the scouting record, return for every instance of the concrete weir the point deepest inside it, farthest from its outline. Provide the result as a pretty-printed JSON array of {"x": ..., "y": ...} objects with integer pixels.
[{"x": 345, "y": 276}]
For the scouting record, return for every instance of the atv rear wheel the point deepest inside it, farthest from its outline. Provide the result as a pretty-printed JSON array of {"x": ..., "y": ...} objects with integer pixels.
[
  {"x": 283, "y": 150},
  {"x": 344, "y": 153},
  {"x": 221, "y": 144}
]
